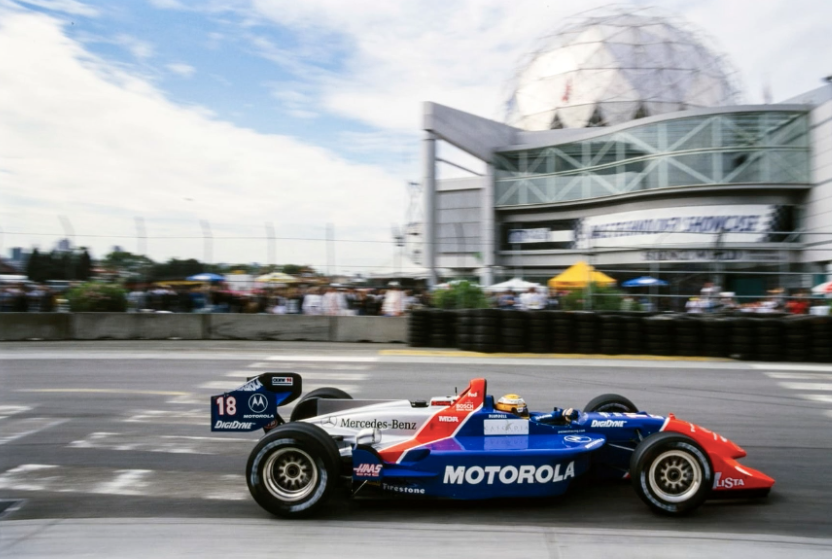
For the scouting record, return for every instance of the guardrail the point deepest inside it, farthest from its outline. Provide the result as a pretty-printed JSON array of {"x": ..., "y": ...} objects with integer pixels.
[{"x": 159, "y": 326}]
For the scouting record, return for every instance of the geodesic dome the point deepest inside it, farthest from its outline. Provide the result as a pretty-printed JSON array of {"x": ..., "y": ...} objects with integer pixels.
[{"x": 612, "y": 65}]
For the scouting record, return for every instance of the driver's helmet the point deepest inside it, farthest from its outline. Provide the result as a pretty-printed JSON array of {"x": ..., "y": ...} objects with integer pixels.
[{"x": 512, "y": 403}]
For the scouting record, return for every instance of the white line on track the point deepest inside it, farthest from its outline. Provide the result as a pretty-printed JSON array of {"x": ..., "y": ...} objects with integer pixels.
[
  {"x": 800, "y": 376},
  {"x": 823, "y": 398},
  {"x": 329, "y": 366},
  {"x": 183, "y": 417},
  {"x": 172, "y": 444},
  {"x": 324, "y": 358},
  {"x": 15, "y": 429},
  {"x": 6, "y": 411},
  {"x": 789, "y": 367},
  {"x": 806, "y": 385},
  {"x": 111, "y": 481}
]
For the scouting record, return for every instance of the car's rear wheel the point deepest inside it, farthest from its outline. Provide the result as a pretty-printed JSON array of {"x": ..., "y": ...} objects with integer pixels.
[
  {"x": 671, "y": 473},
  {"x": 307, "y": 406},
  {"x": 610, "y": 403},
  {"x": 292, "y": 471}
]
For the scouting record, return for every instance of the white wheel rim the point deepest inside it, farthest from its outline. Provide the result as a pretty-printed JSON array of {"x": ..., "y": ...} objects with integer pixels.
[
  {"x": 675, "y": 476},
  {"x": 290, "y": 474}
]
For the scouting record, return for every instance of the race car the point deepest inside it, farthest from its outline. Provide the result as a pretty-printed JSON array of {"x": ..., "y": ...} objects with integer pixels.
[{"x": 470, "y": 446}]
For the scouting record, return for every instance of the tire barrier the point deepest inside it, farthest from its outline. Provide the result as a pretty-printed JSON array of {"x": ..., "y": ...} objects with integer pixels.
[
  {"x": 659, "y": 333},
  {"x": 442, "y": 328},
  {"x": 418, "y": 328},
  {"x": 765, "y": 337},
  {"x": 540, "y": 332},
  {"x": 562, "y": 332},
  {"x": 514, "y": 331}
]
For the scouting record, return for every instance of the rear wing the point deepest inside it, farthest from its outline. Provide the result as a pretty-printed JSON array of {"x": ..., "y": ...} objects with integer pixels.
[{"x": 254, "y": 405}]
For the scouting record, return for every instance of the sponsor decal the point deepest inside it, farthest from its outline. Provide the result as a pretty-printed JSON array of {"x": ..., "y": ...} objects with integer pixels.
[
  {"x": 465, "y": 406},
  {"x": 497, "y": 416},
  {"x": 473, "y": 394},
  {"x": 368, "y": 470},
  {"x": 394, "y": 424},
  {"x": 507, "y": 475},
  {"x": 607, "y": 423},
  {"x": 331, "y": 421},
  {"x": 595, "y": 443},
  {"x": 572, "y": 431},
  {"x": 581, "y": 439},
  {"x": 251, "y": 386},
  {"x": 505, "y": 427},
  {"x": 401, "y": 489},
  {"x": 232, "y": 424},
  {"x": 440, "y": 402},
  {"x": 448, "y": 419},
  {"x": 727, "y": 482},
  {"x": 257, "y": 416},
  {"x": 283, "y": 381},
  {"x": 258, "y": 403}
]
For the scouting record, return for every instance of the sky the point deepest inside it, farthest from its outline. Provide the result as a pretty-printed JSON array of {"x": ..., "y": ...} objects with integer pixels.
[{"x": 248, "y": 115}]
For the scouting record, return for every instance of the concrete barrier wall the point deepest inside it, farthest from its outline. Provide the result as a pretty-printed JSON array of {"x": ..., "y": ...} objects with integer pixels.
[
  {"x": 153, "y": 326},
  {"x": 35, "y": 326},
  {"x": 370, "y": 329},
  {"x": 138, "y": 326},
  {"x": 269, "y": 327}
]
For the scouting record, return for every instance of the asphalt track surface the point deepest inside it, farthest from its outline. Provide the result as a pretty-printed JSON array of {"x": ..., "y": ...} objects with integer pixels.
[{"x": 107, "y": 438}]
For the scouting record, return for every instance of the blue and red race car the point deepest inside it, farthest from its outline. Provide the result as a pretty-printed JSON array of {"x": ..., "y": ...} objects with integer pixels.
[{"x": 465, "y": 447}]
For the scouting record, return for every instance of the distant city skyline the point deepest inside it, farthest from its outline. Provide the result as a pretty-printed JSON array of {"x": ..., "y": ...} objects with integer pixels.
[{"x": 270, "y": 120}]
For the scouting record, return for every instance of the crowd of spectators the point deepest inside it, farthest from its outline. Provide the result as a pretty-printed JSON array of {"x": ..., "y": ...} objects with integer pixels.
[
  {"x": 24, "y": 297},
  {"x": 330, "y": 300}
]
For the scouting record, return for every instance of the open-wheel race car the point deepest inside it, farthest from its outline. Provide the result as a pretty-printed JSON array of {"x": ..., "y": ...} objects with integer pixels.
[{"x": 469, "y": 446}]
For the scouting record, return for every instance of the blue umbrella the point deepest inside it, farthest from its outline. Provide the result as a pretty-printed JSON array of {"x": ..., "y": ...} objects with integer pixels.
[
  {"x": 206, "y": 276},
  {"x": 644, "y": 281}
]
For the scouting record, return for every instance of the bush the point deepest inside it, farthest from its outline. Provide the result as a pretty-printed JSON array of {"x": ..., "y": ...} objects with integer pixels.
[
  {"x": 462, "y": 295},
  {"x": 603, "y": 299},
  {"x": 97, "y": 297}
]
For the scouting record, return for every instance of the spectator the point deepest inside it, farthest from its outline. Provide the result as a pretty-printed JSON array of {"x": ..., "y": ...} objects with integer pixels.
[
  {"x": 798, "y": 305},
  {"x": 393, "y": 301},
  {"x": 135, "y": 300},
  {"x": 506, "y": 300},
  {"x": 312, "y": 302}
]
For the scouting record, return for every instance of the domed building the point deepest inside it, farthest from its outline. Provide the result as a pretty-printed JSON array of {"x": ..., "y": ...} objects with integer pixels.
[
  {"x": 626, "y": 144},
  {"x": 613, "y": 65}
]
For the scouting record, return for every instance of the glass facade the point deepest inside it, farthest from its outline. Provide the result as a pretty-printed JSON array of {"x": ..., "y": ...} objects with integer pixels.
[{"x": 766, "y": 147}]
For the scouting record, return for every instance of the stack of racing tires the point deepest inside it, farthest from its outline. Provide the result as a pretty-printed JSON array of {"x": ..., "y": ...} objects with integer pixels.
[
  {"x": 633, "y": 336},
  {"x": 465, "y": 329},
  {"x": 770, "y": 346},
  {"x": 586, "y": 332},
  {"x": 561, "y": 332},
  {"x": 485, "y": 330},
  {"x": 821, "y": 336},
  {"x": 660, "y": 334},
  {"x": 540, "y": 336},
  {"x": 716, "y": 333},
  {"x": 743, "y": 338},
  {"x": 514, "y": 331},
  {"x": 798, "y": 338},
  {"x": 688, "y": 336},
  {"x": 418, "y": 328},
  {"x": 611, "y": 328},
  {"x": 442, "y": 328}
]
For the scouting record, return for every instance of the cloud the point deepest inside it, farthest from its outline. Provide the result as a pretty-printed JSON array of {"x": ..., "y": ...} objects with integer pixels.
[
  {"x": 181, "y": 69},
  {"x": 87, "y": 139},
  {"x": 67, "y": 6},
  {"x": 141, "y": 50},
  {"x": 463, "y": 53}
]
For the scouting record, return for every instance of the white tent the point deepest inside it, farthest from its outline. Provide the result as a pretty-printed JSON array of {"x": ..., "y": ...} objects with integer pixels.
[{"x": 514, "y": 284}]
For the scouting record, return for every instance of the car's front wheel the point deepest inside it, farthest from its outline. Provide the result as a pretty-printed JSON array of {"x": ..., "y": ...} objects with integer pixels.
[
  {"x": 611, "y": 403},
  {"x": 671, "y": 473},
  {"x": 292, "y": 471}
]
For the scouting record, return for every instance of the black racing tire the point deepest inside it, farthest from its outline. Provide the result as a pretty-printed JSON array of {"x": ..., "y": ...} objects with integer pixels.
[
  {"x": 611, "y": 403},
  {"x": 671, "y": 473},
  {"x": 306, "y": 408},
  {"x": 293, "y": 470}
]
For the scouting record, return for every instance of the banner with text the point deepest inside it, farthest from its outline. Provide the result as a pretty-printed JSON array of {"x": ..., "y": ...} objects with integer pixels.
[{"x": 702, "y": 225}]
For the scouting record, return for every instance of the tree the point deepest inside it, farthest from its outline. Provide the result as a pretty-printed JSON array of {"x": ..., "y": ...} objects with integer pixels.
[
  {"x": 34, "y": 268},
  {"x": 127, "y": 263},
  {"x": 84, "y": 266},
  {"x": 292, "y": 269}
]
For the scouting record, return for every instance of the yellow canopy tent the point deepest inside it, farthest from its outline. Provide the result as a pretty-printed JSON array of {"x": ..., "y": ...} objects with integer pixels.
[{"x": 578, "y": 275}]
